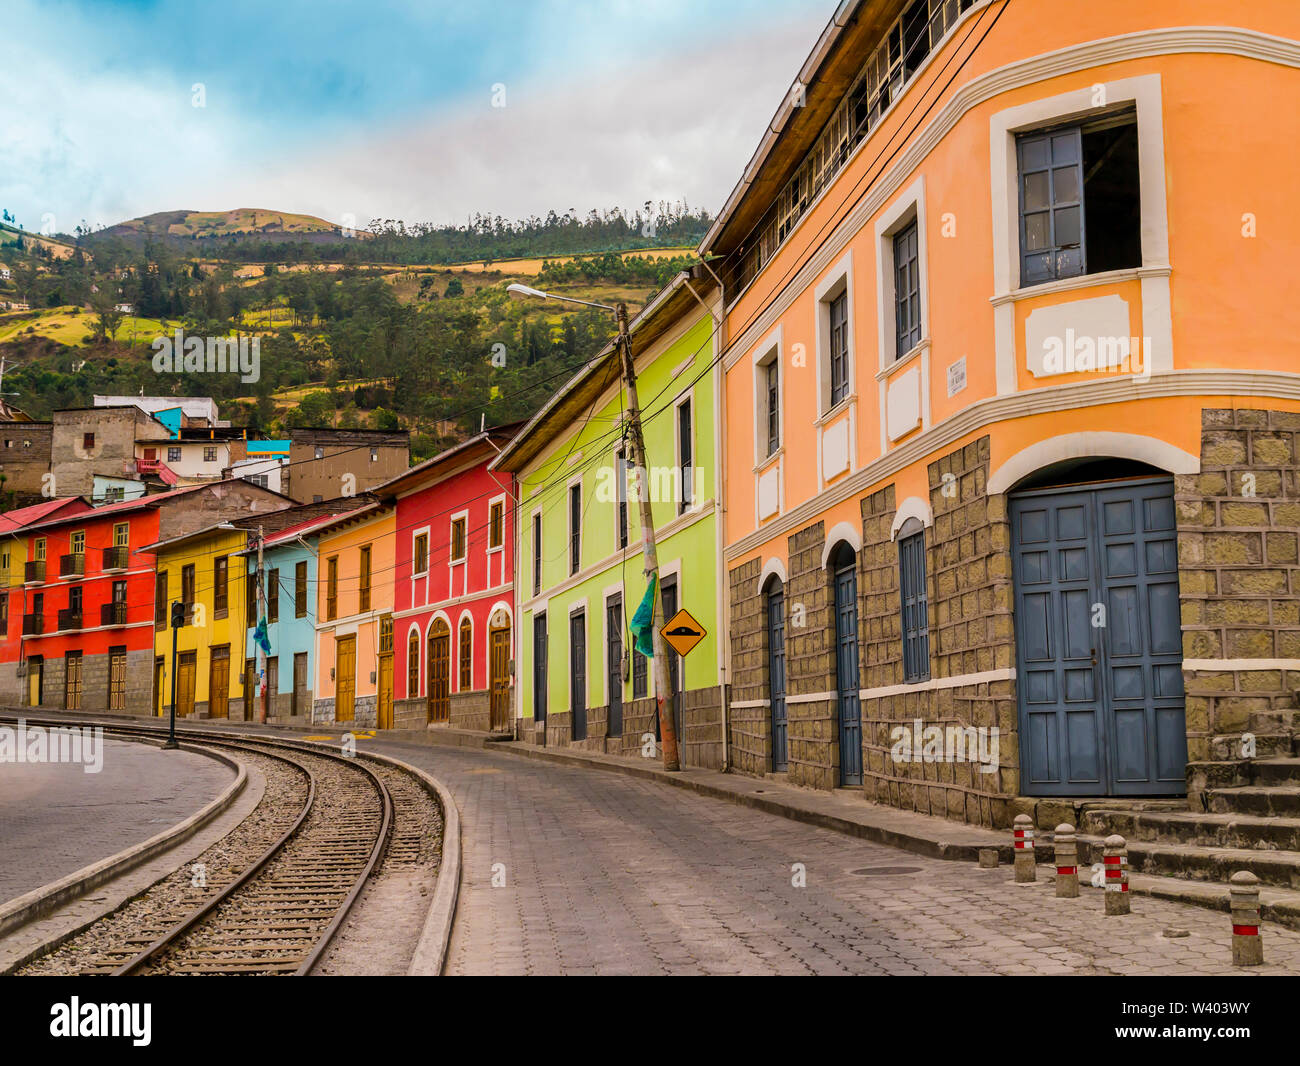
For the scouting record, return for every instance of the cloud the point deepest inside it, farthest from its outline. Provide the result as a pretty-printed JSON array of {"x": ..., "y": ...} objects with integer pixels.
[{"x": 663, "y": 115}]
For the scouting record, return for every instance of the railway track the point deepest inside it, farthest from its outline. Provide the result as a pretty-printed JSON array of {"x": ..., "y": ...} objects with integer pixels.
[{"x": 276, "y": 913}]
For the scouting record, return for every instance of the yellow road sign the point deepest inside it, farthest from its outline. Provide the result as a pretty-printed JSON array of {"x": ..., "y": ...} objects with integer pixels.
[{"x": 683, "y": 632}]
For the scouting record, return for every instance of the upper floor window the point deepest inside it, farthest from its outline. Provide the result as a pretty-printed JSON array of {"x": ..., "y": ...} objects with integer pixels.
[
  {"x": 209, "y": 455},
  {"x": 838, "y": 310},
  {"x": 374, "y": 455},
  {"x": 300, "y": 590},
  {"x": 121, "y": 535},
  {"x": 537, "y": 554},
  {"x": 160, "y": 600},
  {"x": 79, "y": 542},
  {"x": 907, "y": 291},
  {"x": 173, "y": 455},
  {"x": 685, "y": 455},
  {"x": 364, "y": 585},
  {"x": 88, "y": 441},
  {"x": 273, "y": 595},
  {"x": 332, "y": 588},
  {"x": 187, "y": 584},
  {"x": 458, "y": 539},
  {"x": 422, "y": 553},
  {"x": 496, "y": 524},
  {"x": 621, "y": 470},
  {"x": 1080, "y": 208},
  {"x": 38, "y": 551},
  {"x": 320, "y": 452},
  {"x": 220, "y": 590},
  {"x": 575, "y": 528}
]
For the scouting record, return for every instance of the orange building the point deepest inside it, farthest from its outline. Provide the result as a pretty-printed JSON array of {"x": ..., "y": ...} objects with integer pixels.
[
  {"x": 354, "y": 618},
  {"x": 1012, "y": 404}
]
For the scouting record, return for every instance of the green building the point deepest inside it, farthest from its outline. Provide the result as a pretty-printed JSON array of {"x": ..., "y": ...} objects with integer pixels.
[{"x": 579, "y": 572}]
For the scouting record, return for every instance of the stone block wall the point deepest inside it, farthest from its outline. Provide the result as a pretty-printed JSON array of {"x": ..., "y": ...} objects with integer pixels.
[
  {"x": 749, "y": 719},
  {"x": 970, "y": 594},
  {"x": 1239, "y": 573},
  {"x": 410, "y": 713},
  {"x": 470, "y": 710},
  {"x": 812, "y": 737}
]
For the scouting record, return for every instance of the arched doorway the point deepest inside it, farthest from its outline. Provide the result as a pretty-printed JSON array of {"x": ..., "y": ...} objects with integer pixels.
[
  {"x": 438, "y": 697},
  {"x": 499, "y": 670},
  {"x": 1099, "y": 681},
  {"x": 843, "y": 565},
  {"x": 774, "y": 603}
]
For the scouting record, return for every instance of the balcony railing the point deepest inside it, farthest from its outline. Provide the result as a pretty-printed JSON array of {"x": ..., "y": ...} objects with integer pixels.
[
  {"x": 33, "y": 624},
  {"x": 148, "y": 466},
  {"x": 34, "y": 571},
  {"x": 72, "y": 565},
  {"x": 112, "y": 614},
  {"x": 117, "y": 558},
  {"x": 69, "y": 619}
]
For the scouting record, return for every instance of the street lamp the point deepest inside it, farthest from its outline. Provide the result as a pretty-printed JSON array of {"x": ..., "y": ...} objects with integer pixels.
[{"x": 664, "y": 694}]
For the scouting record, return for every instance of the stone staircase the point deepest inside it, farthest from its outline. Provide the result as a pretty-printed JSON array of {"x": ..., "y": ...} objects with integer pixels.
[{"x": 1241, "y": 814}]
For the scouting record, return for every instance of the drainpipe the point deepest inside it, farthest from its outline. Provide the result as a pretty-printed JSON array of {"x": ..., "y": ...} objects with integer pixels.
[{"x": 720, "y": 514}]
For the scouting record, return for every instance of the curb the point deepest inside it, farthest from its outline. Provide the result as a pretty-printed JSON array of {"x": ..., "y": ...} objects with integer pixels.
[
  {"x": 42, "y": 901},
  {"x": 904, "y": 841},
  {"x": 430, "y": 952}
]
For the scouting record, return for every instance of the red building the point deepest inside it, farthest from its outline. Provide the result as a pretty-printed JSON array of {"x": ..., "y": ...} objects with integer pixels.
[
  {"x": 85, "y": 637},
  {"x": 13, "y": 559},
  {"x": 454, "y": 599}
]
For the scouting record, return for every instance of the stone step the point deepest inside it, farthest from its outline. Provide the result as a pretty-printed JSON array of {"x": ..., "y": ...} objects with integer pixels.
[
  {"x": 1281, "y": 905},
  {"x": 1267, "y": 745},
  {"x": 1216, "y": 830},
  {"x": 1276, "y": 772},
  {"x": 1282, "y": 801},
  {"x": 1190, "y": 862},
  {"x": 1281, "y": 721}
]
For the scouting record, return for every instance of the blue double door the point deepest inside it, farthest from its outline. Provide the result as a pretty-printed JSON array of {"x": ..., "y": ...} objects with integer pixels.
[{"x": 1099, "y": 675}]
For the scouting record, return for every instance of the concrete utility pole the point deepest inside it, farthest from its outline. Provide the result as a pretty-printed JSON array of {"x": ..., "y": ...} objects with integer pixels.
[
  {"x": 261, "y": 614},
  {"x": 665, "y": 695}
]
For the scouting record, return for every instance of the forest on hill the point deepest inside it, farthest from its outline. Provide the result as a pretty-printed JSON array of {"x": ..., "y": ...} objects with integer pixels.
[
  {"x": 483, "y": 237},
  {"x": 351, "y": 345}
]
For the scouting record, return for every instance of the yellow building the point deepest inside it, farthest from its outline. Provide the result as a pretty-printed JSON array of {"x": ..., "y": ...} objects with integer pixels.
[{"x": 205, "y": 570}]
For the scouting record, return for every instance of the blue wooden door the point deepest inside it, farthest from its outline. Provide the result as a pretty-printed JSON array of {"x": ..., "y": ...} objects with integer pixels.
[
  {"x": 776, "y": 675},
  {"x": 1098, "y": 643},
  {"x": 846, "y": 670}
]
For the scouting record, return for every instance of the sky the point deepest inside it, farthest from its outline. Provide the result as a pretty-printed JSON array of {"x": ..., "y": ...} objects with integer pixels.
[{"x": 388, "y": 109}]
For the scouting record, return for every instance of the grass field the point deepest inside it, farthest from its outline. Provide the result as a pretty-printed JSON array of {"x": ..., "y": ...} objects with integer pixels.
[{"x": 69, "y": 325}]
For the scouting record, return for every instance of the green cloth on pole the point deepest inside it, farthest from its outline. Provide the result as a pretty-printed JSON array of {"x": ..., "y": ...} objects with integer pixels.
[{"x": 642, "y": 623}]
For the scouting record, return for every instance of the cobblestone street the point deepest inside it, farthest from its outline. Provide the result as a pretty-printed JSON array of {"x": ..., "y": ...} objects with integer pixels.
[{"x": 603, "y": 874}]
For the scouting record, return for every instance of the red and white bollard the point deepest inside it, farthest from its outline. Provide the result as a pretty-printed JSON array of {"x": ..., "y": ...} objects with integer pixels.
[
  {"x": 1067, "y": 862},
  {"x": 1022, "y": 835},
  {"x": 1247, "y": 946},
  {"x": 1115, "y": 859}
]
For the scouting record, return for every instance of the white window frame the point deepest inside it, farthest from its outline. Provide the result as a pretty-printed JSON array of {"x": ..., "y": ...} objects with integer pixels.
[{"x": 1144, "y": 93}]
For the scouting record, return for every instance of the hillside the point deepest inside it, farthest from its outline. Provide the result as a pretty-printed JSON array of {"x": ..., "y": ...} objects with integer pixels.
[{"x": 182, "y": 227}]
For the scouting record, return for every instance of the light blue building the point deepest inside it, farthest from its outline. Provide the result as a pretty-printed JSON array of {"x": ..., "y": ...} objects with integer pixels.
[{"x": 289, "y": 560}]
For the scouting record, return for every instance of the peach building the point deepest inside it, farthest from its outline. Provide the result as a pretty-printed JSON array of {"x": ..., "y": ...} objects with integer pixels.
[
  {"x": 1012, "y": 393},
  {"x": 354, "y": 619}
]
